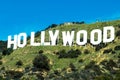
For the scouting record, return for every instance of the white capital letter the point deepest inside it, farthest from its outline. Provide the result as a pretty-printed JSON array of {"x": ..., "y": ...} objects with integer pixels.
[
  {"x": 84, "y": 37},
  {"x": 43, "y": 39},
  {"x": 10, "y": 42},
  {"x": 24, "y": 40},
  {"x": 54, "y": 36},
  {"x": 99, "y": 37},
  {"x": 67, "y": 37},
  {"x": 105, "y": 34},
  {"x": 32, "y": 42}
]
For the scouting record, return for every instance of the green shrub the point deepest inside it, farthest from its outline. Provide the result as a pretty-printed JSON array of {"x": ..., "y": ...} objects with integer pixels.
[
  {"x": 1, "y": 78},
  {"x": 70, "y": 54},
  {"x": 119, "y": 56},
  {"x": 19, "y": 63},
  {"x": 90, "y": 65},
  {"x": 80, "y": 61},
  {"x": 118, "y": 33},
  {"x": 86, "y": 51},
  {"x": 0, "y": 57},
  {"x": 62, "y": 53},
  {"x": 104, "y": 62},
  {"x": 107, "y": 51},
  {"x": 100, "y": 46},
  {"x": 41, "y": 62},
  {"x": 2, "y": 68},
  {"x": 7, "y": 51},
  {"x": 11, "y": 74},
  {"x": 0, "y": 62},
  {"x": 56, "y": 72},
  {"x": 73, "y": 68},
  {"x": 39, "y": 76},
  {"x": 117, "y": 47},
  {"x": 113, "y": 52},
  {"x": 110, "y": 64},
  {"x": 41, "y": 51}
]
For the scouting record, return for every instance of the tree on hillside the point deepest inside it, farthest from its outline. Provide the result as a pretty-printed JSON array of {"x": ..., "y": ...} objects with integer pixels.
[
  {"x": 7, "y": 51},
  {"x": 51, "y": 26},
  {"x": 41, "y": 62}
]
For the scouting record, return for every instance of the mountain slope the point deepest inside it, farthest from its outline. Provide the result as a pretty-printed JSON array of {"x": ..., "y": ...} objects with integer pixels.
[{"x": 69, "y": 66}]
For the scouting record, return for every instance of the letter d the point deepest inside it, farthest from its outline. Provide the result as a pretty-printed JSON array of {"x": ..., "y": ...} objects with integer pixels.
[{"x": 105, "y": 34}]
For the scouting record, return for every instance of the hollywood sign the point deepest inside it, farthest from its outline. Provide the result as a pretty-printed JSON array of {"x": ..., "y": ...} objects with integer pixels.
[{"x": 67, "y": 37}]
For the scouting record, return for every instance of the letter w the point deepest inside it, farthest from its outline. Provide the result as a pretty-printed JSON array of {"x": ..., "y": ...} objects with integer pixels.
[{"x": 67, "y": 37}]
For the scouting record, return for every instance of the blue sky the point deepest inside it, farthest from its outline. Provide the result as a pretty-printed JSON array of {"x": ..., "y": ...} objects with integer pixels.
[{"x": 18, "y": 16}]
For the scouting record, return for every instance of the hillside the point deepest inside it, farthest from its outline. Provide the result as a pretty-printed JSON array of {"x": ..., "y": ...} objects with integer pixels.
[
  {"x": 88, "y": 62},
  {"x": 3, "y": 45}
]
